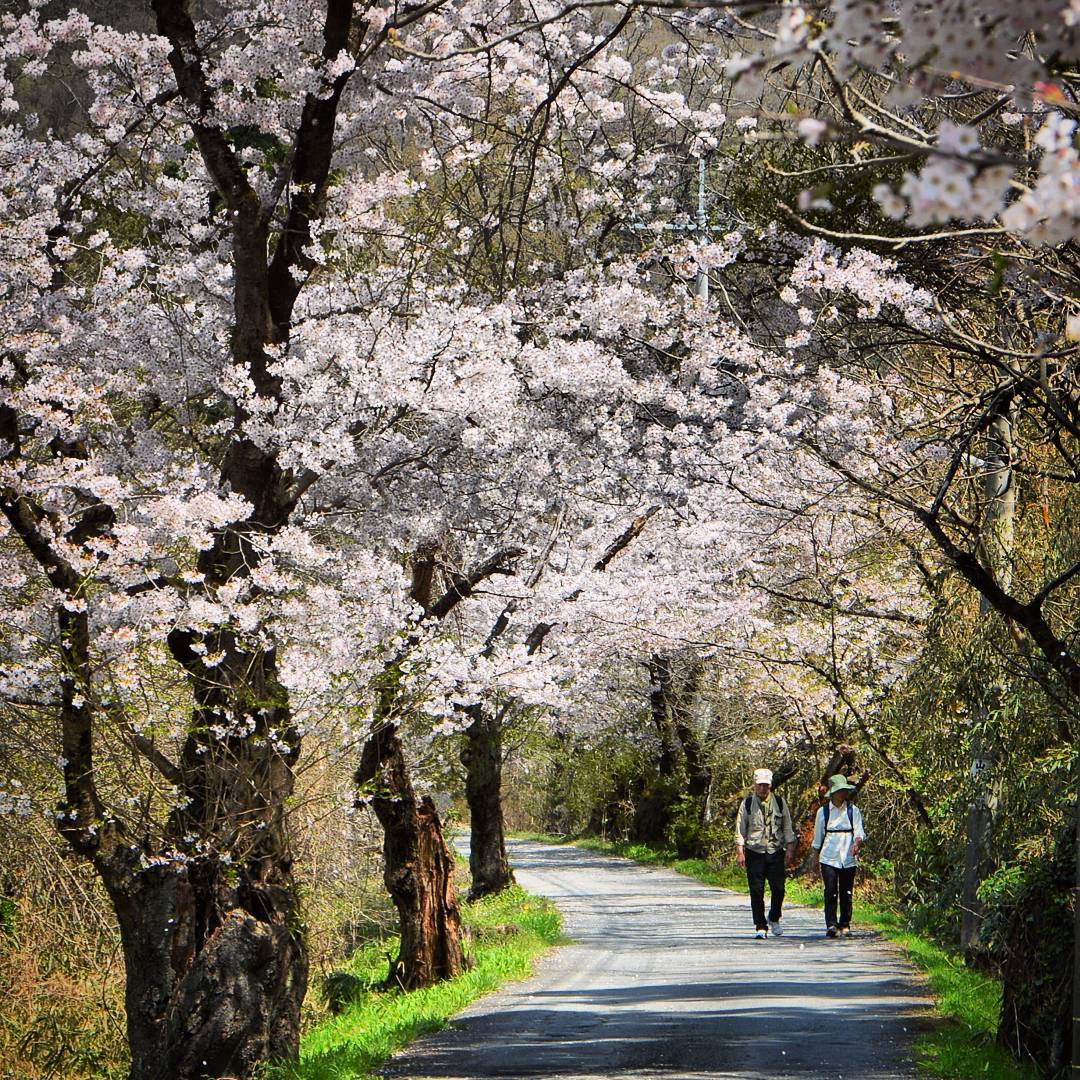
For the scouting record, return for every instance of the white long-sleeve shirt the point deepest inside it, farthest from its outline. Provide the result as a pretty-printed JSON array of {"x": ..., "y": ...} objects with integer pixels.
[{"x": 834, "y": 835}]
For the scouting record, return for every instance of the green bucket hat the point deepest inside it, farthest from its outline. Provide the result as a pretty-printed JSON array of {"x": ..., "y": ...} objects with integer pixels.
[{"x": 839, "y": 782}]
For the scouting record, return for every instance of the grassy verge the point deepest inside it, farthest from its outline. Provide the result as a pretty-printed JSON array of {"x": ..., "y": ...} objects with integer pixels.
[
  {"x": 961, "y": 1046},
  {"x": 508, "y": 932}
]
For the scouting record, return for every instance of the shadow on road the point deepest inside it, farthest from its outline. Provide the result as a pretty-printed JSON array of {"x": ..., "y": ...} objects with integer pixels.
[{"x": 753, "y": 1039}]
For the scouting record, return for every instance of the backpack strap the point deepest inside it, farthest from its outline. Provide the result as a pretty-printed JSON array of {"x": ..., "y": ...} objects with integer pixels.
[
  {"x": 779, "y": 803},
  {"x": 850, "y": 817}
]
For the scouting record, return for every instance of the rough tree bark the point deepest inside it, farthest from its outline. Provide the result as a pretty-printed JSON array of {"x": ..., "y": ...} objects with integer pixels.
[
  {"x": 482, "y": 757},
  {"x": 216, "y": 970},
  {"x": 419, "y": 869},
  {"x": 215, "y": 967},
  {"x": 239, "y": 960}
]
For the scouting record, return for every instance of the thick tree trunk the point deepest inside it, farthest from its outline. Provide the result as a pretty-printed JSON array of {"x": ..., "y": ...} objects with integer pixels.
[
  {"x": 482, "y": 758},
  {"x": 215, "y": 962},
  {"x": 216, "y": 971},
  {"x": 419, "y": 870},
  {"x": 219, "y": 930},
  {"x": 653, "y": 814}
]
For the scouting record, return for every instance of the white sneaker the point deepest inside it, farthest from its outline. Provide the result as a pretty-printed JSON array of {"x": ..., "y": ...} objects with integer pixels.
[
  {"x": 762, "y": 935},
  {"x": 776, "y": 928}
]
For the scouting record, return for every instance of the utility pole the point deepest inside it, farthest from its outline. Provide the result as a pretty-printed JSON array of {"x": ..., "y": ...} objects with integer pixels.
[{"x": 700, "y": 225}]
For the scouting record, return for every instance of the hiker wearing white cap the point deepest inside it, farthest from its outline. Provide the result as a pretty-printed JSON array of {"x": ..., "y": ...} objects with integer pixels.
[{"x": 765, "y": 845}]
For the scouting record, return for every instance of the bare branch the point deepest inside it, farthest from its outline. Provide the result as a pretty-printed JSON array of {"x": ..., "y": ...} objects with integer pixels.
[{"x": 464, "y": 585}]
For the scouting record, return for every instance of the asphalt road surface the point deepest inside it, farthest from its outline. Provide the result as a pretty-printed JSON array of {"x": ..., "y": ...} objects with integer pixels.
[{"x": 664, "y": 978}]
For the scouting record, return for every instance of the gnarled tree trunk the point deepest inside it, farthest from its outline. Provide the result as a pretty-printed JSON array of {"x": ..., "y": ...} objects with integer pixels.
[
  {"x": 482, "y": 758},
  {"x": 216, "y": 962},
  {"x": 419, "y": 870},
  {"x": 216, "y": 971}
]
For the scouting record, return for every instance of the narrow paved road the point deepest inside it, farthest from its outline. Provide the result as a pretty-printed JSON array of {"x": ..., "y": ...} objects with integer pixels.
[{"x": 665, "y": 979}]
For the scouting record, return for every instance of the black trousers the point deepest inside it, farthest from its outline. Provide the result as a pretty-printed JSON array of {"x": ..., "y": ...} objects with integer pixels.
[
  {"x": 839, "y": 884},
  {"x": 759, "y": 868}
]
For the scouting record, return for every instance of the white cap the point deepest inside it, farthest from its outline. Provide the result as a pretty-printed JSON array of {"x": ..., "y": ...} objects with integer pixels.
[{"x": 763, "y": 776}]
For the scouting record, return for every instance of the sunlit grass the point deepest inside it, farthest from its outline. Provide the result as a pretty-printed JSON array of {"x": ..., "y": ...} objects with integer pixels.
[
  {"x": 968, "y": 1002},
  {"x": 508, "y": 932}
]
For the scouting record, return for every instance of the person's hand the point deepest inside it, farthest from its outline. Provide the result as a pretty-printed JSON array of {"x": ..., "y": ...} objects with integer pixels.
[
  {"x": 789, "y": 860},
  {"x": 740, "y": 855},
  {"x": 855, "y": 845}
]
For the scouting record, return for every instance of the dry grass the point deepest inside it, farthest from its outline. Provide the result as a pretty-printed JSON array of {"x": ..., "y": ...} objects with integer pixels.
[
  {"x": 61, "y": 971},
  {"x": 61, "y": 967}
]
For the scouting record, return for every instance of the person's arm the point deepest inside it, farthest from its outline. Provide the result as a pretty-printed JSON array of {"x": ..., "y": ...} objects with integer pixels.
[
  {"x": 819, "y": 839},
  {"x": 741, "y": 823},
  {"x": 859, "y": 832},
  {"x": 789, "y": 835}
]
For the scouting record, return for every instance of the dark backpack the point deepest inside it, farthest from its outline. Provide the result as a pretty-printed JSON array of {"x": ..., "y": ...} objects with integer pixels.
[{"x": 850, "y": 820}]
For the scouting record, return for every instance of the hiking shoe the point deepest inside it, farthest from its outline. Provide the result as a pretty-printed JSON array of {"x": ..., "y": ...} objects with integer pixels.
[
  {"x": 845, "y": 931},
  {"x": 776, "y": 928},
  {"x": 761, "y": 935},
  {"x": 831, "y": 932}
]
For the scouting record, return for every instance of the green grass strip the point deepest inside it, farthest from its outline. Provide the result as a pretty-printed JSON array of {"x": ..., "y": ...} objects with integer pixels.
[
  {"x": 966, "y": 1002},
  {"x": 508, "y": 932}
]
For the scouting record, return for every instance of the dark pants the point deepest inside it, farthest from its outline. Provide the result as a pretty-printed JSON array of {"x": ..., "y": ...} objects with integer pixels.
[
  {"x": 759, "y": 868},
  {"x": 840, "y": 882}
]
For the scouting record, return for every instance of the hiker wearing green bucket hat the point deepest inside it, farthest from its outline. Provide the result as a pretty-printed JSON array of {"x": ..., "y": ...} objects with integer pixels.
[{"x": 838, "y": 835}]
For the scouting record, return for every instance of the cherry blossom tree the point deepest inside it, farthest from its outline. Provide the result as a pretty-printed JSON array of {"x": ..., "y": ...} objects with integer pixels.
[
  {"x": 352, "y": 354},
  {"x": 210, "y": 347}
]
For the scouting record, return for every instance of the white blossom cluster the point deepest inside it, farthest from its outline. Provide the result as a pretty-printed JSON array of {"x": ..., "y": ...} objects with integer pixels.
[
  {"x": 417, "y": 410},
  {"x": 14, "y": 801}
]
